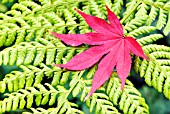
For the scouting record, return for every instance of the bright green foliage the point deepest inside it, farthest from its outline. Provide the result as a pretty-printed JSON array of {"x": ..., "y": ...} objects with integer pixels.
[
  {"x": 35, "y": 52},
  {"x": 124, "y": 98},
  {"x": 156, "y": 71},
  {"x": 39, "y": 87}
]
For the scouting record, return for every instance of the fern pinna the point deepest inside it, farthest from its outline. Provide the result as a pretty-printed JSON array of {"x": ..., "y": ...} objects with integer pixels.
[{"x": 36, "y": 86}]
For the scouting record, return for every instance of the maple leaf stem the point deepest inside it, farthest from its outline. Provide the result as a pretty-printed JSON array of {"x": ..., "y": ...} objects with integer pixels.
[{"x": 133, "y": 9}]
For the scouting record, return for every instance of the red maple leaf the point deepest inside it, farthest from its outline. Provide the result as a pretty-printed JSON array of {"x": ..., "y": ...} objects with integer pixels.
[{"x": 109, "y": 44}]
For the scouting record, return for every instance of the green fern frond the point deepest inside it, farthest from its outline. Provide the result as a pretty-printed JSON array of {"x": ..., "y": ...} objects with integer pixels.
[
  {"x": 39, "y": 94},
  {"x": 37, "y": 111},
  {"x": 134, "y": 24},
  {"x": 142, "y": 10},
  {"x": 142, "y": 30},
  {"x": 162, "y": 19},
  {"x": 156, "y": 70},
  {"x": 117, "y": 6},
  {"x": 152, "y": 10},
  {"x": 129, "y": 100},
  {"x": 161, "y": 9},
  {"x": 80, "y": 85},
  {"x": 70, "y": 109},
  {"x": 102, "y": 103},
  {"x": 31, "y": 76},
  {"x": 152, "y": 15},
  {"x": 129, "y": 12},
  {"x": 99, "y": 101},
  {"x": 31, "y": 25},
  {"x": 149, "y": 39},
  {"x": 35, "y": 52},
  {"x": 167, "y": 27}
]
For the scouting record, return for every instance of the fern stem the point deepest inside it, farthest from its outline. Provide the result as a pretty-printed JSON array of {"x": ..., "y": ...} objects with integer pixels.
[
  {"x": 155, "y": 5},
  {"x": 22, "y": 44},
  {"x": 49, "y": 27},
  {"x": 133, "y": 9}
]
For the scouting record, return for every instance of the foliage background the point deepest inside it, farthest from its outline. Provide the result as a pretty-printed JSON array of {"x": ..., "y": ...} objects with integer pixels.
[{"x": 156, "y": 101}]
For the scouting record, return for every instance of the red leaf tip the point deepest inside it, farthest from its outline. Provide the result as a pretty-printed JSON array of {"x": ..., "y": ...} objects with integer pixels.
[
  {"x": 122, "y": 85},
  {"x": 48, "y": 31},
  {"x": 52, "y": 33},
  {"x": 147, "y": 58},
  {"x": 75, "y": 8},
  {"x": 123, "y": 81},
  {"x": 57, "y": 65},
  {"x": 79, "y": 11},
  {"x": 87, "y": 97},
  {"x": 107, "y": 7}
]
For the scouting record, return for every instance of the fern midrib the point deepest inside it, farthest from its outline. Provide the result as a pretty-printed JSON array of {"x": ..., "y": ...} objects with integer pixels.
[
  {"x": 51, "y": 47},
  {"x": 46, "y": 27},
  {"x": 132, "y": 10},
  {"x": 151, "y": 4}
]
